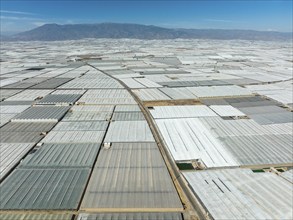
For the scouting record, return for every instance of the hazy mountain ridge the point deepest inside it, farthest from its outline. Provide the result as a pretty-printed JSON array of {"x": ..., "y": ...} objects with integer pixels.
[{"x": 54, "y": 32}]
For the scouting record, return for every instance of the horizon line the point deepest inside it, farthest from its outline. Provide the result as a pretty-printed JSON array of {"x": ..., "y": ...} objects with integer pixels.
[{"x": 126, "y": 23}]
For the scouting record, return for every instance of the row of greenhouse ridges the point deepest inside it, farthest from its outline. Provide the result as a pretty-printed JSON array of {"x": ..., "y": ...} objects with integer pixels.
[
  {"x": 81, "y": 163},
  {"x": 191, "y": 129}
]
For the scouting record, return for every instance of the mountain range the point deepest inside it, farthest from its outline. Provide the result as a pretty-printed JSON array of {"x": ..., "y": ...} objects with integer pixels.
[{"x": 55, "y": 32}]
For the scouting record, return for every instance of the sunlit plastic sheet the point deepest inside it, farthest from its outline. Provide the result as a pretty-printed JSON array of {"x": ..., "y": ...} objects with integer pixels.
[
  {"x": 178, "y": 93},
  {"x": 43, "y": 189},
  {"x": 30, "y": 95},
  {"x": 62, "y": 156},
  {"x": 242, "y": 194},
  {"x": 6, "y": 93},
  {"x": 128, "y": 116},
  {"x": 35, "y": 217},
  {"x": 182, "y": 111},
  {"x": 127, "y": 108},
  {"x": 74, "y": 137},
  {"x": 129, "y": 131},
  {"x": 68, "y": 99},
  {"x": 87, "y": 116},
  {"x": 150, "y": 94},
  {"x": 131, "y": 176},
  {"x": 188, "y": 139},
  {"x": 219, "y": 91},
  {"x": 27, "y": 127},
  {"x": 51, "y": 83},
  {"x": 131, "y": 216},
  {"x": 11, "y": 154},
  {"x": 81, "y": 126},
  {"x": 42, "y": 113}
]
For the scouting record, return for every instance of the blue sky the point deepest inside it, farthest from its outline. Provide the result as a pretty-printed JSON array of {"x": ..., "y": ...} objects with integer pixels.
[{"x": 264, "y": 15}]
